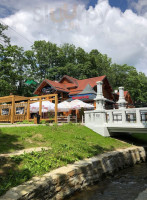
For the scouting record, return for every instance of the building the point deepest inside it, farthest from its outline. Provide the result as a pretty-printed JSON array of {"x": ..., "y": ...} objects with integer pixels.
[{"x": 69, "y": 88}]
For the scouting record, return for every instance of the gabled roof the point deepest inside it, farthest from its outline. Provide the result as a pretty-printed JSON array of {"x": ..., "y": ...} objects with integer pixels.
[
  {"x": 71, "y": 79},
  {"x": 53, "y": 84},
  {"x": 72, "y": 82},
  {"x": 88, "y": 90},
  {"x": 83, "y": 83},
  {"x": 72, "y": 86},
  {"x": 57, "y": 85}
]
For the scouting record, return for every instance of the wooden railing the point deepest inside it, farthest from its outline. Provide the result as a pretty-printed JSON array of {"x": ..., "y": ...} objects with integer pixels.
[
  {"x": 10, "y": 111},
  {"x": 67, "y": 119},
  {"x": 20, "y": 118},
  {"x": 5, "y": 118}
]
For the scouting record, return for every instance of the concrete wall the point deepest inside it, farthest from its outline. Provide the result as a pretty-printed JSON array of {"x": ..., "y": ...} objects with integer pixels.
[{"x": 64, "y": 181}]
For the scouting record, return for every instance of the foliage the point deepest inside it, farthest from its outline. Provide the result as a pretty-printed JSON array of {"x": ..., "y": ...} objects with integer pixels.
[
  {"x": 67, "y": 143},
  {"x": 3, "y": 37},
  {"x": 46, "y": 60}
]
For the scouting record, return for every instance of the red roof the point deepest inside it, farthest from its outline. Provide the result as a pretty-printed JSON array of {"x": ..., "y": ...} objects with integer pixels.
[
  {"x": 70, "y": 79},
  {"x": 57, "y": 85},
  {"x": 54, "y": 84},
  {"x": 83, "y": 83},
  {"x": 72, "y": 85}
]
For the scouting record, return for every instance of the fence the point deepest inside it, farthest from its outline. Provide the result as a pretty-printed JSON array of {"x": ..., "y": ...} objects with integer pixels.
[
  {"x": 133, "y": 115},
  {"x": 67, "y": 119},
  {"x": 17, "y": 108}
]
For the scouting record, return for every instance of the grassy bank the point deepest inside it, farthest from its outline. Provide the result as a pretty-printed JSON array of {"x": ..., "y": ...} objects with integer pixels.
[{"x": 67, "y": 143}]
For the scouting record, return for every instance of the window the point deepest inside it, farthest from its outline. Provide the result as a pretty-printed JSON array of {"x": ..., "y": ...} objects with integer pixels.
[
  {"x": 117, "y": 117},
  {"x": 5, "y": 111},
  {"x": 20, "y": 110}
]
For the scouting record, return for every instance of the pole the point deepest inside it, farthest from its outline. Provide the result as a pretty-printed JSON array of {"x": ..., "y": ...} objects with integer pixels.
[
  {"x": 13, "y": 110},
  {"x": 28, "y": 110},
  {"x": 56, "y": 107},
  {"x": 40, "y": 107}
]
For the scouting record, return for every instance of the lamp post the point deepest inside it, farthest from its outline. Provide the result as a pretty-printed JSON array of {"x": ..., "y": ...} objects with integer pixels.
[
  {"x": 121, "y": 102},
  {"x": 100, "y": 100}
]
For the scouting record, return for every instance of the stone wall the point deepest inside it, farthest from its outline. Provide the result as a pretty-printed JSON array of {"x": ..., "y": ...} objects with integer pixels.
[{"x": 64, "y": 181}]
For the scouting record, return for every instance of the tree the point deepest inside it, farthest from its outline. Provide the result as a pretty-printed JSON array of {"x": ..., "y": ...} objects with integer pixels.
[
  {"x": 3, "y": 37},
  {"x": 12, "y": 69},
  {"x": 46, "y": 57}
]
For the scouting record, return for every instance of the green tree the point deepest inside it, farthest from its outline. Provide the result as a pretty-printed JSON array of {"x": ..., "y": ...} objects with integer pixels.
[
  {"x": 45, "y": 56},
  {"x": 3, "y": 37}
]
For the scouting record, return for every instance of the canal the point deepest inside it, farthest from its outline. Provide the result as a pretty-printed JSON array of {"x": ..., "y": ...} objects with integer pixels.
[{"x": 126, "y": 184}]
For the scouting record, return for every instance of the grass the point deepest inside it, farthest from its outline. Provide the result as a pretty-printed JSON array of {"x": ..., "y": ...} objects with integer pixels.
[
  {"x": 68, "y": 143},
  {"x": 140, "y": 136},
  {"x": 5, "y": 124}
]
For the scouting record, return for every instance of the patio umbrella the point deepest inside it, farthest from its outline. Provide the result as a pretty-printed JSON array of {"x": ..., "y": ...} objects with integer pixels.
[
  {"x": 64, "y": 106},
  {"x": 34, "y": 107},
  {"x": 77, "y": 105},
  {"x": 47, "y": 106}
]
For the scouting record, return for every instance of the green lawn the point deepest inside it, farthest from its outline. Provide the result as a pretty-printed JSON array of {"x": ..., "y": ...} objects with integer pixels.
[{"x": 68, "y": 143}]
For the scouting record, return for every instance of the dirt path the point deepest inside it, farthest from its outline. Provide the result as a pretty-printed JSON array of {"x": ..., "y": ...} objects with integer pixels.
[{"x": 20, "y": 152}]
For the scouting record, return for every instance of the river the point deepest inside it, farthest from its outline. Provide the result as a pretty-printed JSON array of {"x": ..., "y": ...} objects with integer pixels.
[{"x": 125, "y": 185}]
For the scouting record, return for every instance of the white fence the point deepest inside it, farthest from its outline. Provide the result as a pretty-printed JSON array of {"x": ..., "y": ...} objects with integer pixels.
[
  {"x": 132, "y": 115},
  {"x": 120, "y": 120}
]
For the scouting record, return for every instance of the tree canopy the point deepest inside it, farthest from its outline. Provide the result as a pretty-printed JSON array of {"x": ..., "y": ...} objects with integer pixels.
[{"x": 46, "y": 60}]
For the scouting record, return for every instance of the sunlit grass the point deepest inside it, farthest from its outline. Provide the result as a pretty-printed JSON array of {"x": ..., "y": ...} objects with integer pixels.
[{"x": 67, "y": 143}]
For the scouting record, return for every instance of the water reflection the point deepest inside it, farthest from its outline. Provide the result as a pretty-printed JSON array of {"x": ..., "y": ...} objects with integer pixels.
[{"x": 126, "y": 185}]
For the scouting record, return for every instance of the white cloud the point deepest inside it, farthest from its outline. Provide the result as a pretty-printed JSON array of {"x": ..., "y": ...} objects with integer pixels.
[
  {"x": 140, "y": 6},
  {"x": 122, "y": 36}
]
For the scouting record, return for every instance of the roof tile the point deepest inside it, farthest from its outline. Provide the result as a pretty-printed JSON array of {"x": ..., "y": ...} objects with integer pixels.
[{"x": 74, "y": 86}]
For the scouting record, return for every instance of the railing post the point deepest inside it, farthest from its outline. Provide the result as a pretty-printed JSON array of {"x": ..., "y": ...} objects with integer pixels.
[
  {"x": 40, "y": 107},
  {"x": 110, "y": 117},
  {"x": 82, "y": 119},
  {"x": 56, "y": 107},
  {"x": 91, "y": 117},
  {"x": 123, "y": 116},
  {"x": 86, "y": 118},
  {"x": 76, "y": 119},
  {"x": 28, "y": 110},
  {"x": 68, "y": 118},
  {"x": 13, "y": 110},
  {"x": 138, "y": 117}
]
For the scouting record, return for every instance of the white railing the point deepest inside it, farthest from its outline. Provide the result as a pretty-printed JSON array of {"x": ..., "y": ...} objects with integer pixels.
[
  {"x": 119, "y": 116},
  {"x": 132, "y": 115},
  {"x": 117, "y": 120}
]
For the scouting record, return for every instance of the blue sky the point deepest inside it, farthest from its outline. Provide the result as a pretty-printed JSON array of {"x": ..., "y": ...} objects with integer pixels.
[
  {"x": 122, "y": 4},
  {"x": 7, "y": 9}
]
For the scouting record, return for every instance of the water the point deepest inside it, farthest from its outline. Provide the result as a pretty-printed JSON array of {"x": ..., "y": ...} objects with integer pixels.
[{"x": 125, "y": 185}]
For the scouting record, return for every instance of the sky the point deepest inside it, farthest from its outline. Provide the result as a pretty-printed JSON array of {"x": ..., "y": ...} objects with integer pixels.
[{"x": 117, "y": 28}]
